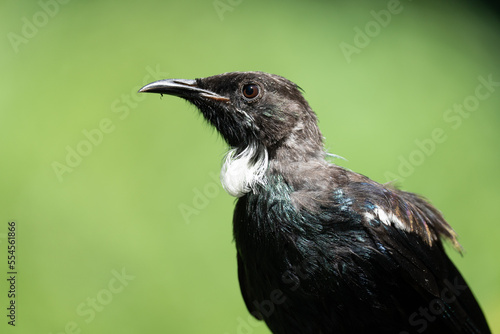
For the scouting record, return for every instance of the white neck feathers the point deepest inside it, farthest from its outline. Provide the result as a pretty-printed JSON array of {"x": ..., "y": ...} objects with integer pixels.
[{"x": 242, "y": 172}]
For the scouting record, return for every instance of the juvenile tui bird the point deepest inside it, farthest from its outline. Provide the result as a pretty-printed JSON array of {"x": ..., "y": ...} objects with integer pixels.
[{"x": 322, "y": 249}]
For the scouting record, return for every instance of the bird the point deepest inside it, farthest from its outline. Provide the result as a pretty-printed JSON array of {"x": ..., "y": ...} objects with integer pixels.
[{"x": 320, "y": 248}]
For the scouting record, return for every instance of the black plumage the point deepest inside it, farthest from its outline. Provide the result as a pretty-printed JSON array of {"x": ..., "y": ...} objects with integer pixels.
[{"x": 322, "y": 249}]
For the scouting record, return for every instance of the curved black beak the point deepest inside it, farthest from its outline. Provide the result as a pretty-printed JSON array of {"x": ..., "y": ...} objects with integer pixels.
[{"x": 181, "y": 88}]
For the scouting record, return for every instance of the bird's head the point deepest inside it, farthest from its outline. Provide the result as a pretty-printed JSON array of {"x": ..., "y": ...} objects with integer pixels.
[
  {"x": 261, "y": 116},
  {"x": 246, "y": 107}
]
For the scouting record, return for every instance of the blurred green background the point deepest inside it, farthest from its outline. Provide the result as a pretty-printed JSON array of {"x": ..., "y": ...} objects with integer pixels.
[{"x": 123, "y": 226}]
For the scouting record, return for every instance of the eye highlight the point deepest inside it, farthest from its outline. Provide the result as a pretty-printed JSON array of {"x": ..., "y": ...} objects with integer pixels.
[{"x": 250, "y": 91}]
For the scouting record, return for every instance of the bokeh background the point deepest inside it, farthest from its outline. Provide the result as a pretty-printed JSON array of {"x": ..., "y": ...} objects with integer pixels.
[{"x": 123, "y": 226}]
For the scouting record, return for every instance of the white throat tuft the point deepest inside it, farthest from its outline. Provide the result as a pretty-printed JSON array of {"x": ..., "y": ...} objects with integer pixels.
[{"x": 241, "y": 173}]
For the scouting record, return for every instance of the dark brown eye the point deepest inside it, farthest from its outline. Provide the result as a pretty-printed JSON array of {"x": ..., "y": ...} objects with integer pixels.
[{"x": 250, "y": 91}]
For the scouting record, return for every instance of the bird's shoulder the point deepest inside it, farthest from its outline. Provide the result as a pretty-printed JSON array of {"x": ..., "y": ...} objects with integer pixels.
[
  {"x": 333, "y": 194},
  {"x": 376, "y": 223}
]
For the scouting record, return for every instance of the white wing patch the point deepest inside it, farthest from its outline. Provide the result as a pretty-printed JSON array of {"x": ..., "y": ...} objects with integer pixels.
[
  {"x": 240, "y": 174},
  {"x": 386, "y": 218}
]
